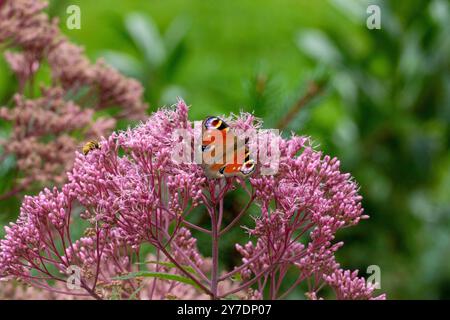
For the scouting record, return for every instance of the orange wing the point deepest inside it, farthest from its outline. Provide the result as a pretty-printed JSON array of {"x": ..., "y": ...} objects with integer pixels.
[{"x": 220, "y": 146}]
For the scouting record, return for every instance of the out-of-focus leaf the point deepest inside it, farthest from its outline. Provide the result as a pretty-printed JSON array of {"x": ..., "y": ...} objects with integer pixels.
[
  {"x": 171, "y": 93},
  {"x": 125, "y": 63},
  {"x": 411, "y": 59},
  {"x": 174, "y": 40},
  {"x": 176, "y": 33},
  {"x": 146, "y": 36},
  {"x": 353, "y": 9},
  {"x": 440, "y": 11},
  {"x": 8, "y": 163},
  {"x": 346, "y": 86},
  {"x": 318, "y": 46}
]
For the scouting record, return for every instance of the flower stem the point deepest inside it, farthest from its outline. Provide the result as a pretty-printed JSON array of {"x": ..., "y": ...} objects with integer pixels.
[
  {"x": 215, "y": 249},
  {"x": 184, "y": 271},
  {"x": 312, "y": 91},
  {"x": 238, "y": 217}
]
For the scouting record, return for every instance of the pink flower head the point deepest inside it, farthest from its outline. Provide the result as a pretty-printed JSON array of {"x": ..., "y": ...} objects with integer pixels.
[{"x": 132, "y": 192}]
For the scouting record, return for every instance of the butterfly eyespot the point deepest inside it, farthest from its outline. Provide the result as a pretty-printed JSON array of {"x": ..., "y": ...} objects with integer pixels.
[
  {"x": 212, "y": 122},
  {"x": 223, "y": 167},
  {"x": 215, "y": 123},
  {"x": 248, "y": 167}
]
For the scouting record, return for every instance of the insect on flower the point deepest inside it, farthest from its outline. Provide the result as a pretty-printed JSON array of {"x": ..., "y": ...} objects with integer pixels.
[
  {"x": 224, "y": 155},
  {"x": 89, "y": 146}
]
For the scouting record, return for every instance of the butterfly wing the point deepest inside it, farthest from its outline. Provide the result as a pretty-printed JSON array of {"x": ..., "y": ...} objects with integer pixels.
[
  {"x": 226, "y": 152},
  {"x": 243, "y": 166},
  {"x": 213, "y": 128}
]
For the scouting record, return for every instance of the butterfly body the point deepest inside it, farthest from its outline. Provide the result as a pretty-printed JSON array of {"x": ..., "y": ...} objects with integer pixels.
[{"x": 224, "y": 154}]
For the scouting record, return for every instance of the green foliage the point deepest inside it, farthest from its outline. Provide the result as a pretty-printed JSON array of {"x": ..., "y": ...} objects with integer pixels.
[
  {"x": 392, "y": 135},
  {"x": 157, "y": 59}
]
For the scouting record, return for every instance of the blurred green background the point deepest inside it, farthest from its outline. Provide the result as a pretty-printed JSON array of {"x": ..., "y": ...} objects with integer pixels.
[{"x": 383, "y": 106}]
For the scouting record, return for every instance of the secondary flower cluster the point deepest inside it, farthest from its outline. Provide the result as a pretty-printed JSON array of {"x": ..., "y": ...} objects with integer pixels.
[
  {"x": 80, "y": 88},
  {"x": 35, "y": 121},
  {"x": 132, "y": 195}
]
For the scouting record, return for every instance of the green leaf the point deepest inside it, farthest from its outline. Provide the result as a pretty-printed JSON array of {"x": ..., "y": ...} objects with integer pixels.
[
  {"x": 176, "y": 33},
  {"x": 237, "y": 277},
  {"x": 125, "y": 63},
  {"x": 159, "y": 275},
  {"x": 135, "y": 293},
  {"x": 146, "y": 36},
  {"x": 317, "y": 45},
  {"x": 170, "y": 93},
  {"x": 8, "y": 164},
  {"x": 232, "y": 297}
]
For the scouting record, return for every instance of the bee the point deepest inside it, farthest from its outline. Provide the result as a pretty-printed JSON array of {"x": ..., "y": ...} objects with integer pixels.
[
  {"x": 222, "y": 167},
  {"x": 89, "y": 146}
]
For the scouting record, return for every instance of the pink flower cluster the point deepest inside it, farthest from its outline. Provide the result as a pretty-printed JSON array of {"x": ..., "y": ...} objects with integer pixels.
[
  {"x": 25, "y": 26},
  {"x": 46, "y": 130},
  {"x": 131, "y": 194},
  {"x": 35, "y": 121}
]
